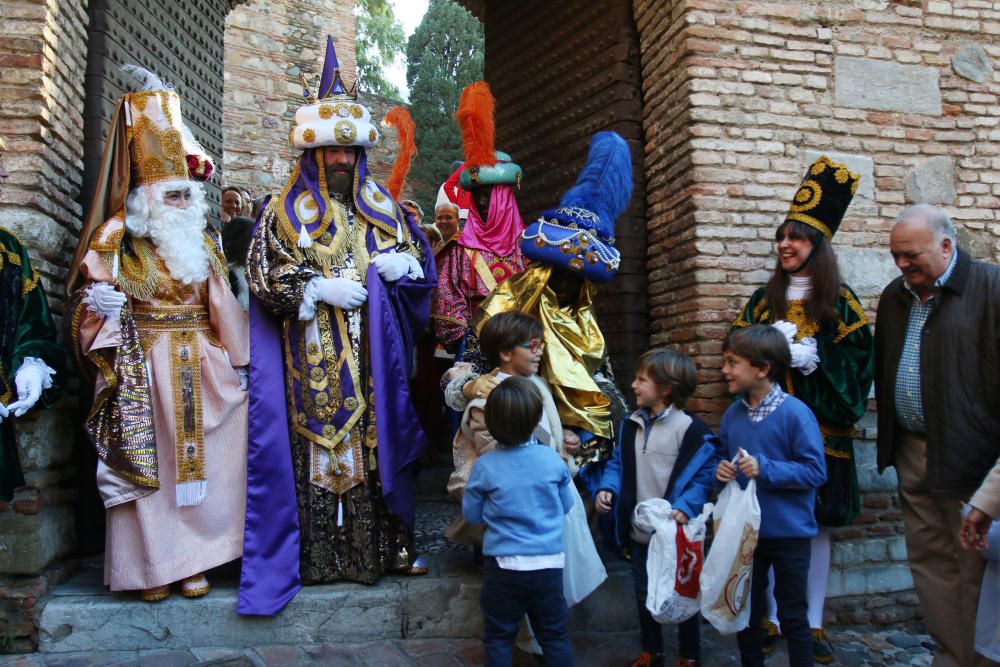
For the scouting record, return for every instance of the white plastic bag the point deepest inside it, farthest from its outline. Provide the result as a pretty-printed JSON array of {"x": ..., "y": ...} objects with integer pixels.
[
  {"x": 726, "y": 577},
  {"x": 583, "y": 571},
  {"x": 674, "y": 560}
]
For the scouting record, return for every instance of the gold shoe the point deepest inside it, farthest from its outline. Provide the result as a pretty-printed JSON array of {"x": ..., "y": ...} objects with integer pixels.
[
  {"x": 155, "y": 594},
  {"x": 195, "y": 586}
]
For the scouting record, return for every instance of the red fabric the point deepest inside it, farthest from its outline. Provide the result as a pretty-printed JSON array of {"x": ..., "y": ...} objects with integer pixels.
[
  {"x": 457, "y": 195},
  {"x": 690, "y": 558}
]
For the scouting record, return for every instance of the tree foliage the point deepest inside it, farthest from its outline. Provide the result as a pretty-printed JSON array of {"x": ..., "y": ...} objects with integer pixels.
[
  {"x": 444, "y": 54},
  {"x": 380, "y": 38}
]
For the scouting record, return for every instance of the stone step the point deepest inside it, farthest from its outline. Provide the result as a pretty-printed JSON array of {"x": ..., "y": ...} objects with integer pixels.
[{"x": 83, "y": 616}]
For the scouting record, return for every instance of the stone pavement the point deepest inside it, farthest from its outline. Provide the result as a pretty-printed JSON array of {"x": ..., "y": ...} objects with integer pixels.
[{"x": 855, "y": 648}]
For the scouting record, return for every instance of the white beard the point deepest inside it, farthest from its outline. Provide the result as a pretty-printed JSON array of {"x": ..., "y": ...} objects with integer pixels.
[{"x": 179, "y": 239}]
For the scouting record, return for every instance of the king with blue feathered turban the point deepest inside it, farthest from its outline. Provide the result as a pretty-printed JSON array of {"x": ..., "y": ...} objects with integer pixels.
[
  {"x": 571, "y": 250},
  {"x": 341, "y": 278}
]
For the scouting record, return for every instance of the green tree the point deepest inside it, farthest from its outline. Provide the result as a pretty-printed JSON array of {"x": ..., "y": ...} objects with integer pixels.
[
  {"x": 443, "y": 55},
  {"x": 380, "y": 38}
]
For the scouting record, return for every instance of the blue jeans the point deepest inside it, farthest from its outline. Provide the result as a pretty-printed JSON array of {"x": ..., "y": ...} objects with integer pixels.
[
  {"x": 506, "y": 596},
  {"x": 688, "y": 632},
  {"x": 790, "y": 558}
]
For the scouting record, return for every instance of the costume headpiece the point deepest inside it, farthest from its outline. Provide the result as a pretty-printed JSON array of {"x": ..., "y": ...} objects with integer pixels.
[
  {"x": 399, "y": 118},
  {"x": 823, "y": 196},
  {"x": 484, "y": 165},
  {"x": 148, "y": 143},
  {"x": 332, "y": 116},
  {"x": 579, "y": 235}
]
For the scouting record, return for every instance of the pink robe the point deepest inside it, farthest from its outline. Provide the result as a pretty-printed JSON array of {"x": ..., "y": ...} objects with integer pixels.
[{"x": 150, "y": 541}]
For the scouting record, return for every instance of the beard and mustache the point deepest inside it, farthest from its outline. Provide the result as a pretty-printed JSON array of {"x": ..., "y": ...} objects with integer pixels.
[{"x": 177, "y": 233}]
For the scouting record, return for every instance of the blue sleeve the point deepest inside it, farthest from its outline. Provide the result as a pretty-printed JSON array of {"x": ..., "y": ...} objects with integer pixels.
[
  {"x": 565, "y": 494},
  {"x": 806, "y": 465},
  {"x": 475, "y": 494},
  {"x": 695, "y": 495},
  {"x": 611, "y": 480}
]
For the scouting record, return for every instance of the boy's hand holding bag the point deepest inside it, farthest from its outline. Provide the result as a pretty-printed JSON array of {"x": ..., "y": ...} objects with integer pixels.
[
  {"x": 676, "y": 555},
  {"x": 725, "y": 579}
]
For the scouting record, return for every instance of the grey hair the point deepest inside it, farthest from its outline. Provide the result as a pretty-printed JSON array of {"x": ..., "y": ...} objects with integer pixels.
[
  {"x": 448, "y": 204},
  {"x": 410, "y": 202},
  {"x": 932, "y": 216}
]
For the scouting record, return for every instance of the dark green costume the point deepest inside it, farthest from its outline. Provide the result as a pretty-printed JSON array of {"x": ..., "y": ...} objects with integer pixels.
[
  {"x": 837, "y": 392},
  {"x": 26, "y": 330}
]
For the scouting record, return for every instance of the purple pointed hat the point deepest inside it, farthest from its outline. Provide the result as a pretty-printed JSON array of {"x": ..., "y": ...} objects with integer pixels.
[{"x": 332, "y": 116}]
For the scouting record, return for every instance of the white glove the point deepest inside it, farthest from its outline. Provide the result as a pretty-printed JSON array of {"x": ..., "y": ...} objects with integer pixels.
[
  {"x": 805, "y": 355},
  {"x": 105, "y": 300},
  {"x": 33, "y": 376},
  {"x": 341, "y": 292},
  {"x": 3, "y": 412},
  {"x": 787, "y": 329},
  {"x": 394, "y": 265},
  {"x": 244, "y": 376}
]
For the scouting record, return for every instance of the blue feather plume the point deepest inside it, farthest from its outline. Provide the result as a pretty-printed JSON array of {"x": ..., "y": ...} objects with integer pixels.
[{"x": 604, "y": 186}]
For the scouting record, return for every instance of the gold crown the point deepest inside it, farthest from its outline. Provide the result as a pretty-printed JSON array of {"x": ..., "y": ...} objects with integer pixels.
[{"x": 155, "y": 142}]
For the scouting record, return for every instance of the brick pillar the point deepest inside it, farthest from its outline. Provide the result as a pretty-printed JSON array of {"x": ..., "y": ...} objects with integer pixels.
[
  {"x": 267, "y": 45},
  {"x": 43, "y": 52}
]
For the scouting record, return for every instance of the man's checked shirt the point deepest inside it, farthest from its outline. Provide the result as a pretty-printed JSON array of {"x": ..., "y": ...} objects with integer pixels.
[{"x": 909, "y": 405}]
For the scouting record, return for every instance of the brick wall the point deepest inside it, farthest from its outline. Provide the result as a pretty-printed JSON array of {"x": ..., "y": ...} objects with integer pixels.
[
  {"x": 43, "y": 56},
  {"x": 739, "y": 98},
  {"x": 267, "y": 45}
]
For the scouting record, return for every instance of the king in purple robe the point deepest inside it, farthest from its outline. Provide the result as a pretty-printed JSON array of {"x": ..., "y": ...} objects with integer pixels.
[{"x": 341, "y": 279}]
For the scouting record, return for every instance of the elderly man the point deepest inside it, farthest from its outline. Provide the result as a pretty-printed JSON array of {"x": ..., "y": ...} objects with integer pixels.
[
  {"x": 446, "y": 222},
  {"x": 938, "y": 390},
  {"x": 158, "y": 331}
]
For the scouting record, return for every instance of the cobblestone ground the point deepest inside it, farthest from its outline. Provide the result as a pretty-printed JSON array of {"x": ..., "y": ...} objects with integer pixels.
[{"x": 854, "y": 649}]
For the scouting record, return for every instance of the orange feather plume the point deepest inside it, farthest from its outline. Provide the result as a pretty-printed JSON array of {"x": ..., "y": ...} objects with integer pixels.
[
  {"x": 475, "y": 118},
  {"x": 399, "y": 118}
]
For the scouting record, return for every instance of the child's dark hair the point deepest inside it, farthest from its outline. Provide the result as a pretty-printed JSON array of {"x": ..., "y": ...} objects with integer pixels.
[
  {"x": 513, "y": 411},
  {"x": 667, "y": 367},
  {"x": 505, "y": 332},
  {"x": 762, "y": 345}
]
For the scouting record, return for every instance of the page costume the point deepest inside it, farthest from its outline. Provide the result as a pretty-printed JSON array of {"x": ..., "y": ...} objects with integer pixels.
[
  {"x": 169, "y": 412},
  {"x": 27, "y": 337},
  {"x": 333, "y": 432},
  {"x": 837, "y": 391},
  {"x": 486, "y": 252}
]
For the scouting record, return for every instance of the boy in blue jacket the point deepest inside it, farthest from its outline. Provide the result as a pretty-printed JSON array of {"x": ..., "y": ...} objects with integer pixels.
[
  {"x": 521, "y": 491},
  {"x": 775, "y": 439},
  {"x": 661, "y": 453}
]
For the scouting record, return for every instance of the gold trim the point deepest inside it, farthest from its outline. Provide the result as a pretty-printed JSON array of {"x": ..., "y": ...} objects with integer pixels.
[
  {"x": 185, "y": 378},
  {"x": 812, "y": 222}
]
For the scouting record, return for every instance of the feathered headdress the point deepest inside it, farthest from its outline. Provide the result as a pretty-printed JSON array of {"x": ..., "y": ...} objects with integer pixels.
[
  {"x": 399, "y": 118},
  {"x": 484, "y": 164},
  {"x": 580, "y": 234}
]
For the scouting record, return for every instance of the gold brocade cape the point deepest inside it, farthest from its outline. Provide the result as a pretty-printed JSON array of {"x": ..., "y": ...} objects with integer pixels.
[{"x": 574, "y": 345}]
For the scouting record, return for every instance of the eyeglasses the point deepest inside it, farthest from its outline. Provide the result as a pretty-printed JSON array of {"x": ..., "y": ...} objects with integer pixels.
[{"x": 533, "y": 346}]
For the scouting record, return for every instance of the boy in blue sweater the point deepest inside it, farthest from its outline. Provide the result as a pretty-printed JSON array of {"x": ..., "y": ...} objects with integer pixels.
[
  {"x": 521, "y": 491},
  {"x": 661, "y": 453},
  {"x": 776, "y": 440}
]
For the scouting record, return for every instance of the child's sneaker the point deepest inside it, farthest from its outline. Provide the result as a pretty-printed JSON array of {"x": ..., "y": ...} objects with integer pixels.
[
  {"x": 822, "y": 648},
  {"x": 685, "y": 662},
  {"x": 771, "y": 636},
  {"x": 647, "y": 659}
]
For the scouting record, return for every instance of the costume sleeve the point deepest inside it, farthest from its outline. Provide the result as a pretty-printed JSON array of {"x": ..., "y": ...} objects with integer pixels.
[
  {"x": 837, "y": 391},
  {"x": 274, "y": 274},
  {"x": 35, "y": 335},
  {"x": 604, "y": 378},
  {"x": 806, "y": 467},
  {"x": 475, "y": 495},
  {"x": 752, "y": 312},
  {"x": 451, "y": 304}
]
